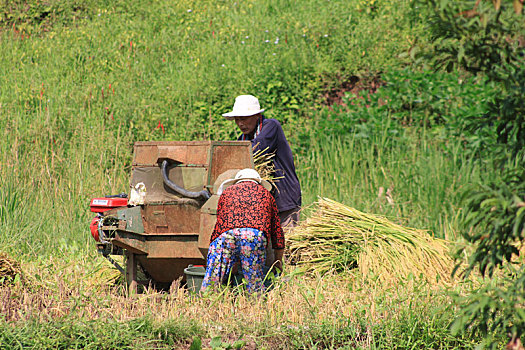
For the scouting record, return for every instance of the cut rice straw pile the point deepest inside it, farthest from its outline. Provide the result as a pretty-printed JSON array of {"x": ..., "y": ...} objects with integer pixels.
[
  {"x": 337, "y": 238},
  {"x": 8, "y": 269}
]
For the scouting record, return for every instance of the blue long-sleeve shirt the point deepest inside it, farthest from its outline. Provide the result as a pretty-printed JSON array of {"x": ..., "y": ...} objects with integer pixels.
[{"x": 271, "y": 136}]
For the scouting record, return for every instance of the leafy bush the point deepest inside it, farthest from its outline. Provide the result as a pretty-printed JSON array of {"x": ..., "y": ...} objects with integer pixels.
[
  {"x": 485, "y": 37},
  {"x": 494, "y": 309},
  {"x": 497, "y": 211},
  {"x": 441, "y": 103},
  {"x": 489, "y": 38}
]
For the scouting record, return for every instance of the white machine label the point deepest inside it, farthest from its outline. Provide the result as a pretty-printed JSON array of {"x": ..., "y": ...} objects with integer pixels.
[{"x": 100, "y": 202}]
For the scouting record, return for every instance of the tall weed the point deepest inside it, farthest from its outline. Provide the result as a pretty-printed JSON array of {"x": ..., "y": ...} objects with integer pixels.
[{"x": 414, "y": 181}]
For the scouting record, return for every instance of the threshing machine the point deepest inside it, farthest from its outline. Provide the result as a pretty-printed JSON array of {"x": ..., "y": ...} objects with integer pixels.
[{"x": 166, "y": 222}]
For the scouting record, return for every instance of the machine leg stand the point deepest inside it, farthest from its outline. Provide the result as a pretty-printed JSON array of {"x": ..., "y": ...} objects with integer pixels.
[{"x": 131, "y": 272}]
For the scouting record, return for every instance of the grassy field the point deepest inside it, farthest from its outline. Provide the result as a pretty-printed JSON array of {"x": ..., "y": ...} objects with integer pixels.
[
  {"x": 331, "y": 311},
  {"x": 81, "y": 84}
]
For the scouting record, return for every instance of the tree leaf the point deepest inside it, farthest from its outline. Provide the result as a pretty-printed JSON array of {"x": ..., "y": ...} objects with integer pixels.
[
  {"x": 216, "y": 342},
  {"x": 196, "y": 344}
]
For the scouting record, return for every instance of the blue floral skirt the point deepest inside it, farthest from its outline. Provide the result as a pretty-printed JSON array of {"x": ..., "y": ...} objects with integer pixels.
[{"x": 247, "y": 245}]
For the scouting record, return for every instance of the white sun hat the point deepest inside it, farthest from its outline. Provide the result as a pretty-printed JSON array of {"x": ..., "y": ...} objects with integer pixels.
[
  {"x": 244, "y": 106},
  {"x": 245, "y": 175}
]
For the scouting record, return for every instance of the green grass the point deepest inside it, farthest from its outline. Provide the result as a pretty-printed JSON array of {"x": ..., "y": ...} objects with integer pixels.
[
  {"x": 168, "y": 64},
  {"x": 47, "y": 184},
  {"x": 100, "y": 334},
  {"x": 425, "y": 178}
]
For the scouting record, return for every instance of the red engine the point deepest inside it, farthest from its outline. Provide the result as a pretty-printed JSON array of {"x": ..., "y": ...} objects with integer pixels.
[{"x": 99, "y": 206}]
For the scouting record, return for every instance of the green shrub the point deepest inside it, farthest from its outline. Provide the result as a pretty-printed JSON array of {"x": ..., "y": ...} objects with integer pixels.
[
  {"x": 34, "y": 17},
  {"x": 485, "y": 38},
  {"x": 443, "y": 104}
]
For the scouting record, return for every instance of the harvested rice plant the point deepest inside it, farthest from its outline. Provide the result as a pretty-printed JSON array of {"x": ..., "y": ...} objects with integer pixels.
[{"x": 340, "y": 238}]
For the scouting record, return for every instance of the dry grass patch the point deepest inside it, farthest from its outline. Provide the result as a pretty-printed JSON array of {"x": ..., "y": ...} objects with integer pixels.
[{"x": 298, "y": 303}]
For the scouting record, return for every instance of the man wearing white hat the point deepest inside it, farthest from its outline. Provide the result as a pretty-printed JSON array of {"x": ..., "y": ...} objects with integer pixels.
[{"x": 268, "y": 134}]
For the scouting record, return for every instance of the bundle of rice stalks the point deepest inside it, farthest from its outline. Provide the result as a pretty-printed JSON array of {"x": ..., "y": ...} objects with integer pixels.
[
  {"x": 263, "y": 161},
  {"x": 9, "y": 269},
  {"x": 339, "y": 238}
]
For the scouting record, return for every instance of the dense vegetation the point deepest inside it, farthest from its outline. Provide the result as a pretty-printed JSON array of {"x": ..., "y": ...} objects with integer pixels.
[{"x": 422, "y": 100}]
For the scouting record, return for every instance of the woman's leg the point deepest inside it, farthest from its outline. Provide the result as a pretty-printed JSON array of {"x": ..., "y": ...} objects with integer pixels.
[
  {"x": 252, "y": 244},
  {"x": 221, "y": 257}
]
